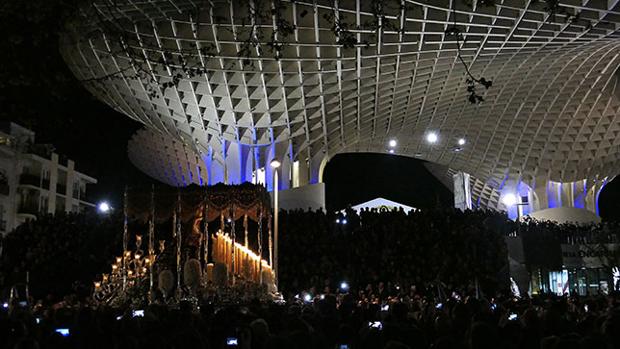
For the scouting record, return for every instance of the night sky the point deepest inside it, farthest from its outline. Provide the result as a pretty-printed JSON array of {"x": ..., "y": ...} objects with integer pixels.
[{"x": 38, "y": 91}]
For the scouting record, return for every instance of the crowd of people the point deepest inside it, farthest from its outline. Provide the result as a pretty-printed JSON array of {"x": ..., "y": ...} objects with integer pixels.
[
  {"x": 317, "y": 250},
  {"x": 61, "y": 253},
  {"x": 543, "y": 240},
  {"x": 431, "y": 246},
  {"x": 404, "y": 319},
  {"x": 433, "y": 278}
]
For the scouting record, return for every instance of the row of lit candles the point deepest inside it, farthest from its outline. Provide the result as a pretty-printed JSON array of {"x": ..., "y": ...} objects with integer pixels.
[{"x": 247, "y": 262}]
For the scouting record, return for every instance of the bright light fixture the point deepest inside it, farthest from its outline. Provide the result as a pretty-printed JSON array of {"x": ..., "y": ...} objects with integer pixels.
[
  {"x": 392, "y": 143},
  {"x": 344, "y": 286},
  {"x": 104, "y": 207},
  {"x": 509, "y": 199},
  {"x": 391, "y": 151},
  {"x": 307, "y": 297},
  {"x": 344, "y": 221},
  {"x": 462, "y": 141},
  {"x": 275, "y": 163},
  {"x": 432, "y": 137}
]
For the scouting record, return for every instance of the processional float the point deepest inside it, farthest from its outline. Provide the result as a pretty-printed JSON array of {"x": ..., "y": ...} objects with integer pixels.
[{"x": 210, "y": 244}]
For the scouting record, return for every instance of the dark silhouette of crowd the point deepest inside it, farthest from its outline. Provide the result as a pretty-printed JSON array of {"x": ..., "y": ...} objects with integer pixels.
[
  {"x": 61, "y": 253},
  {"x": 571, "y": 233},
  {"x": 409, "y": 318},
  {"x": 378, "y": 279},
  {"x": 425, "y": 246}
]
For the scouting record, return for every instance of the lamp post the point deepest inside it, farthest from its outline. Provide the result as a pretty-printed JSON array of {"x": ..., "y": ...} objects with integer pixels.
[
  {"x": 518, "y": 201},
  {"x": 275, "y": 164}
]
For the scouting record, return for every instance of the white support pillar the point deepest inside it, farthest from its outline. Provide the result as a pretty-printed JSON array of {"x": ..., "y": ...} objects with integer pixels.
[{"x": 462, "y": 191}]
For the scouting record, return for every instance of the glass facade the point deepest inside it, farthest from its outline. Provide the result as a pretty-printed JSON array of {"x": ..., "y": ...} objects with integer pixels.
[{"x": 571, "y": 281}]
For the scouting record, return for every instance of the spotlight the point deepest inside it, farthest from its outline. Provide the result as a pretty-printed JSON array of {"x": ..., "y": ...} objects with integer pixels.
[
  {"x": 5, "y": 305},
  {"x": 344, "y": 221},
  {"x": 392, "y": 143},
  {"x": 337, "y": 220},
  {"x": 462, "y": 141},
  {"x": 432, "y": 137},
  {"x": 307, "y": 297},
  {"x": 509, "y": 199},
  {"x": 275, "y": 163},
  {"x": 344, "y": 286},
  {"x": 391, "y": 151},
  {"x": 104, "y": 207},
  {"x": 229, "y": 220}
]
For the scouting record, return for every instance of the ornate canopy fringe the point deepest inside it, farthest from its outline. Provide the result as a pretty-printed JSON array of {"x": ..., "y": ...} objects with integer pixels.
[{"x": 246, "y": 199}]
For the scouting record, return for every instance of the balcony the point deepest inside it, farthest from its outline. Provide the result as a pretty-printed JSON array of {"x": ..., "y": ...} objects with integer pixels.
[
  {"x": 2, "y": 225},
  {"x": 29, "y": 208},
  {"x": 29, "y": 179}
]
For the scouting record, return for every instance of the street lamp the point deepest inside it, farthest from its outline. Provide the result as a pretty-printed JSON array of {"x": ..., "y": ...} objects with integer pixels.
[
  {"x": 104, "y": 207},
  {"x": 275, "y": 164}
]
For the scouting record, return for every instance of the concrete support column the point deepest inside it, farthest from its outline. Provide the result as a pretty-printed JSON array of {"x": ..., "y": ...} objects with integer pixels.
[
  {"x": 582, "y": 194},
  {"x": 462, "y": 191}
]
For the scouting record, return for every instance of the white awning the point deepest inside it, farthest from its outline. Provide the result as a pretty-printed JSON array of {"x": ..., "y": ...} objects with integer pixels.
[{"x": 380, "y": 203}]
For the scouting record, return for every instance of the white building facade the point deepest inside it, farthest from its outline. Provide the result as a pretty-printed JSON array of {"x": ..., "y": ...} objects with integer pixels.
[{"x": 35, "y": 181}]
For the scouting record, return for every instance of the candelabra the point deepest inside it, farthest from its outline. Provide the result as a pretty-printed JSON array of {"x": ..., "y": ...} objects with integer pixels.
[{"x": 130, "y": 271}]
